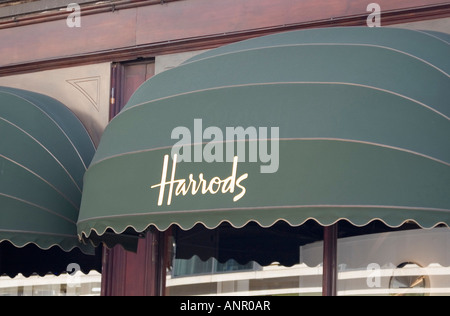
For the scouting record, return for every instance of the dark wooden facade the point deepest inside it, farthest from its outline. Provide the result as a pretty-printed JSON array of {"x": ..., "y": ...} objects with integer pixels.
[
  {"x": 136, "y": 274},
  {"x": 125, "y": 30}
]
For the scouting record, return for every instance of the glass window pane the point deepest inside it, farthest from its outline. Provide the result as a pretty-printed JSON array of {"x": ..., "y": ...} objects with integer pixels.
[
  {"x": 232, "y": 265},
  {"x": 397, "y": 263},
  {"x": 193, "y": 266},
  {"x": 197, "y": 277},
  {"x": 251, "y": 260}
]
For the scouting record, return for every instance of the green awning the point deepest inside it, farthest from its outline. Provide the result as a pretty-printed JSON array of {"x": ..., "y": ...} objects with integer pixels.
[
  {"x": 363, "y": 122},
  {"x": 44, "y": 153}
]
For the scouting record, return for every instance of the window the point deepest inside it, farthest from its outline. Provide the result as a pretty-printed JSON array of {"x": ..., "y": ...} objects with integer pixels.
[
  {"x": 398, "y": 263},
  {"x": 195, "y": 266}
]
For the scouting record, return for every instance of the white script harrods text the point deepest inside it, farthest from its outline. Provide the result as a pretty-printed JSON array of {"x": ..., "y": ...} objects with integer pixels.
[{"x": 184, "y": 186}]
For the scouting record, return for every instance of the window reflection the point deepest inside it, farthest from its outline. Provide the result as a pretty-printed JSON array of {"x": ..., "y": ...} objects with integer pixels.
[
  {"x": 398, "y": 263},
  {"x": 251, "y": 260},
  {"x": 196, "y": 277},
  {"x": 375, "y": 261},
  {"x": 50, "y": 285},
  {"x": 408, "y": 279},
  {"x": 248, "y": 280}
]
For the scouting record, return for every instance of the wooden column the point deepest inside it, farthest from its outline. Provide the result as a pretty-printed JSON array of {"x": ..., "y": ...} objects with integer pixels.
[
  {"x": 136, "y": 274},
  {"x": 127, "y": 273},
  {"x": 329, "y": 278}
]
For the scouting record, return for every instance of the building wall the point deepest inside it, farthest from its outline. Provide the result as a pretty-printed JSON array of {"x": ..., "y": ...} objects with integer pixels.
[
  {"x": 84, "y": 89},
  {"x": 128, "y": 29}
]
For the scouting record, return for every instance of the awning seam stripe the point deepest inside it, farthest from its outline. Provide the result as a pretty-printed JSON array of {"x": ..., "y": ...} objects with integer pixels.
[
  {"x": 35, "y": 233},
  {"x": 56, "y": 124},
  {"x": 411, "y": 208},
  {"x": 280, "y": 83},
  {"x": 46, "y": 149},
  {"x": 43, "y": 180},
  {"x": 318, "y": 44},
  {"x": 432, "y": 35},
  {"x": 37, "y": 206},
  {"x": 281, "y": 139}
]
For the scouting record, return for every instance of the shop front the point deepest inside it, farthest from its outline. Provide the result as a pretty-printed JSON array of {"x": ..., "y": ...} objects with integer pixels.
[{"x": 322, "y": 150}]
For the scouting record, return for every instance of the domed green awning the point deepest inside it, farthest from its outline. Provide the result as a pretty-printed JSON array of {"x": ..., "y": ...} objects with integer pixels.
[
  {"x": 44, "y": 153},
  {"x": 340, "y": 123}
]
